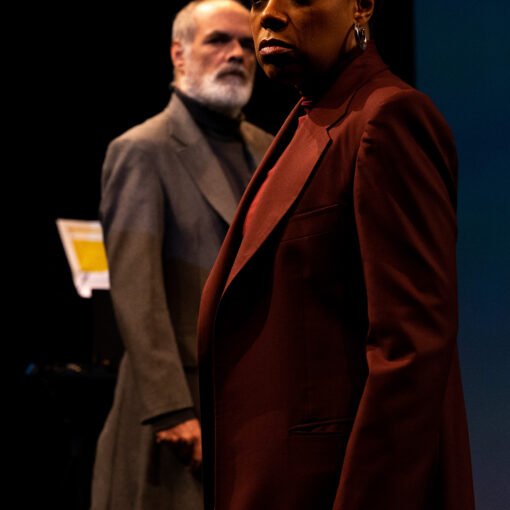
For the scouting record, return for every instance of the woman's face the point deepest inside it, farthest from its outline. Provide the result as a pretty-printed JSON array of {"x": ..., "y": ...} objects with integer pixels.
[{"x": 298, "y": 41}]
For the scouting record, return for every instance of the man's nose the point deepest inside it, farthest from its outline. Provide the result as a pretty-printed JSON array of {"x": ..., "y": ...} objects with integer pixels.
[{"x": 236, "y": 52}]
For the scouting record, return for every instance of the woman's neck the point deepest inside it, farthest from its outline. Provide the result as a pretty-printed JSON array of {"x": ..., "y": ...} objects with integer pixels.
[{"x": 316, "y": 84}]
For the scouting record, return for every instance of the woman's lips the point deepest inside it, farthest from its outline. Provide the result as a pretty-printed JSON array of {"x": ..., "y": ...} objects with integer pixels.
[
  {"x": 274, "y": 50},
  {"x": 274, "y": 47}
]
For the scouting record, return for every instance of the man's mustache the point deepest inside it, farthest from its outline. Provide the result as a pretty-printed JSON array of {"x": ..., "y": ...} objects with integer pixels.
[{"x": 232, "y": 70}]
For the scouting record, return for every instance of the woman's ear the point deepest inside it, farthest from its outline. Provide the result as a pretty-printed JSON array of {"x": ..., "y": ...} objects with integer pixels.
[{"x": 363, "y": 11}]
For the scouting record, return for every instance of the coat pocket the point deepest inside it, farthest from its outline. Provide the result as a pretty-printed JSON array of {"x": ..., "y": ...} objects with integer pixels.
[
  {"x": 314, "y": 222},
  {"x": 315, "y": 456},
  {"x": 337, "y": 426}
]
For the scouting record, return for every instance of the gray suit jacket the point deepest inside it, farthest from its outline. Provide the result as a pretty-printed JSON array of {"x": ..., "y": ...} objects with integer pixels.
[{"x": 166, "y": 206}]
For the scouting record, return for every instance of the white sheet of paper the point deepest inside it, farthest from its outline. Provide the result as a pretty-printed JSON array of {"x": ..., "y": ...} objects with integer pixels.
[{"x": 85, "y": 252}]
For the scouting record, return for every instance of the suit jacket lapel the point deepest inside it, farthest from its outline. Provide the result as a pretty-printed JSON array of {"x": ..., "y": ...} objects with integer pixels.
[
  {"x": 197, "y": 157},
  {"x": 282, "y": 190}
]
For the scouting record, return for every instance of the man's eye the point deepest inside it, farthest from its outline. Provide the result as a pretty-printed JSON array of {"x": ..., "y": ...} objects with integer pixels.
[{"x": 217, "y": 39}]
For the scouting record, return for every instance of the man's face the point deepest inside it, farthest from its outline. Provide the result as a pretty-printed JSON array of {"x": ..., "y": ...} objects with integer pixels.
[
  {"x": 299, "y": 40},
  {"x": 219, "y": 64}
]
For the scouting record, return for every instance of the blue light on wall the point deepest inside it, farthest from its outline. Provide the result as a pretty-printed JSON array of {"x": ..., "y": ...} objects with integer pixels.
[{"x": 463, "y": 63}]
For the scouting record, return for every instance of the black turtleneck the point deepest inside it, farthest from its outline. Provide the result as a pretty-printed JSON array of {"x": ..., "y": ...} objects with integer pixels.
[{"x": 223, "y": 134}]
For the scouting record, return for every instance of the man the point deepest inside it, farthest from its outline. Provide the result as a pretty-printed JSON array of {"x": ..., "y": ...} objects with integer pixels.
[
  {"x": 170, "y": 189},
  {"x": 327, "y": 332}
]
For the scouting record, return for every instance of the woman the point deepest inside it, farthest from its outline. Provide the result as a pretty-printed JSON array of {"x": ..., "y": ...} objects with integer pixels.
[{"x": 329, "y": 365}]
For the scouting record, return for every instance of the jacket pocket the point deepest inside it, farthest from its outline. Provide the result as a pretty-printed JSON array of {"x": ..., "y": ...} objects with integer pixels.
[
  {"x": 337, "y": 426},
  {"x": 314, "y": 222}
]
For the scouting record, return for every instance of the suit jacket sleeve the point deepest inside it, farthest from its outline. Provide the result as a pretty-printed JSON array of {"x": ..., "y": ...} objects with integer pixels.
[
  {"x": 404, "y": 195},
  {"x": 133, "y": 218}
]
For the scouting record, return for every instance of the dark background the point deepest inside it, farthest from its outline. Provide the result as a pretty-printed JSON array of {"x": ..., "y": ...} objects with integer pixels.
[
  {"x": 115, "y": 76},
  {"x": 98, "y": 70}
]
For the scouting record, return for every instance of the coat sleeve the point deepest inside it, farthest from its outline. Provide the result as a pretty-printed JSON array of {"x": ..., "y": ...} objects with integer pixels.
[
  {"x": 133, "y": 218},
  {"x": 404, "y": 200}
]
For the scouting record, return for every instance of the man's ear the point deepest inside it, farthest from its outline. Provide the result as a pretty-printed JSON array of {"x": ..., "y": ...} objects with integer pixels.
[
  {"x": 363, "y": 11},
  {"x": 177, "y": 56}
]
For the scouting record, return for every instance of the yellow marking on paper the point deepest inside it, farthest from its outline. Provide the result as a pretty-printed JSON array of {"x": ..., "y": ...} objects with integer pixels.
[{"x": 91, "y": 255}]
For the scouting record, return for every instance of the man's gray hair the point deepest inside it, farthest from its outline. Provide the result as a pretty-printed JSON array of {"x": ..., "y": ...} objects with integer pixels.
[{"x": 184, "y": 26}]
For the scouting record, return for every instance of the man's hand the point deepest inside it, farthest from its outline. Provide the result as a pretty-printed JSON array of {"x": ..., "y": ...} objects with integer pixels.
[{"x": 186, "y": 440}]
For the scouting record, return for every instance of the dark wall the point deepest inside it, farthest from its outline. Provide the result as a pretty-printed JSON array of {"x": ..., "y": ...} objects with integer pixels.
[
  {"x": 117, "y": 76},
  {"x": 102, "y": 72}
]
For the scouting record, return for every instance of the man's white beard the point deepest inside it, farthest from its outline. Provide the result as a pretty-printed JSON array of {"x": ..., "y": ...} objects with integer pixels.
[{"x": 220, "y": 91}]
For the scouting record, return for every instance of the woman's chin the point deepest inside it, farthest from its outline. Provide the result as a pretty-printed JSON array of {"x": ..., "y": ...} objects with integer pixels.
[{"x": 288, "y": 74}]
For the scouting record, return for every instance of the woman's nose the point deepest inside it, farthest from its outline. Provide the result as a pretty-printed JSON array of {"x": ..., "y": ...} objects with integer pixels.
[{"x": 273, "y": 16}]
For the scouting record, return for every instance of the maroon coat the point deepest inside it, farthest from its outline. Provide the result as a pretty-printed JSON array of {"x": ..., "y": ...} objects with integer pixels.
[{"x": 327, "y": 333}]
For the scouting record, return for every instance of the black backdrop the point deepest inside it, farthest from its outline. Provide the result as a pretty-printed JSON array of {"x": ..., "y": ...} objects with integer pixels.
[
  {"x": 104, "y": 71},
  {"x": 99, "y": 70}
]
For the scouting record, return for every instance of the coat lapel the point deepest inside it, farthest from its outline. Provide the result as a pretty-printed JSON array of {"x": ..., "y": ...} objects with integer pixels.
[
  {"x": 216, "y": 282},
  {"x": 282, "y": 190},
  {"x": 197, "y": 157}
]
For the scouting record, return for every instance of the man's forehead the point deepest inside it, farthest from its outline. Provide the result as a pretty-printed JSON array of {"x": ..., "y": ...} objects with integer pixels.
[
  {"x": 221, "y": 8},
  {"x": 237, "y": 33}
]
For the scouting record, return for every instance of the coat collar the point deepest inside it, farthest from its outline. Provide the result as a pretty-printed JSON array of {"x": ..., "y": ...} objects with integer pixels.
[
  {"x": 199, "y": 160},
  {"x": 360, "y": 68}
]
